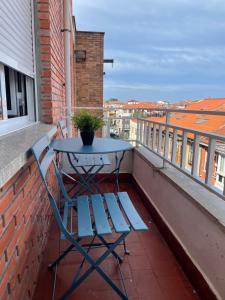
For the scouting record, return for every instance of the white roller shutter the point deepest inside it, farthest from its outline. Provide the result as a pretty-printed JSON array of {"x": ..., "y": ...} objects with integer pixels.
[{"x": 16, "y": 35}]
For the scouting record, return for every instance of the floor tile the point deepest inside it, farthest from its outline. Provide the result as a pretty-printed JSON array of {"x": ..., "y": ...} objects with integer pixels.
[{"x": 151, "y": 271}]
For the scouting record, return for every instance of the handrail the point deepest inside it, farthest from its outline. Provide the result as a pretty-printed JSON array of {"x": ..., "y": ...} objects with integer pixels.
[
  {"x": 170, "y": 142},
  {"x": 199, "y": 132}
]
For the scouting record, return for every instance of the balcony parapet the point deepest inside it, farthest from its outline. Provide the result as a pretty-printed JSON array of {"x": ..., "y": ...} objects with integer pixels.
[{"x": 194, "y": 215}]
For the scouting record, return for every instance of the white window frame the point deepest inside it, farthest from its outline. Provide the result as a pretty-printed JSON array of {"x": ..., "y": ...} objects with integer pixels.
[{"x": 10, "y": 125}]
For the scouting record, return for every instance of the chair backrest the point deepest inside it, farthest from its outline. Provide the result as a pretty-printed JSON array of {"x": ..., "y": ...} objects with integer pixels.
[
  {"x": 45, "y": 157},
  {"x": 63, "y": 128}
]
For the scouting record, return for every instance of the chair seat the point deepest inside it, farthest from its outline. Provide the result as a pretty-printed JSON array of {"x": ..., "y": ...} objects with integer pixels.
[
  {"x": 97, "y": 214},
  {"x": 88, "y": 160}
]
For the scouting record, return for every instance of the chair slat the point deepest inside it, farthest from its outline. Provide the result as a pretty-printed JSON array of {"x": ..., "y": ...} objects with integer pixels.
[
  {"x": 91, "y": 160},
  {"x": 40, "y": 146},
  {"x": 132, "y": 214},
  {"x": 63, "y": 128},
  {"x": 118, "y": 220},
  {"x": 46, "y": 161},
  {"x": 101, "y": 220},
  {"x": 65, "y": 219},
  {"x": 84, "y": 218}
]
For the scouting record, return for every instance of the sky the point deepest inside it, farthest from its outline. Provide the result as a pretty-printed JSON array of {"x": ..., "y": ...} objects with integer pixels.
[{"x": 162, "y": 49}]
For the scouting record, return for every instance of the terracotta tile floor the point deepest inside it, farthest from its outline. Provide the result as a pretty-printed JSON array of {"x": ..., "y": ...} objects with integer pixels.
[{"x": 151, "y": 271}]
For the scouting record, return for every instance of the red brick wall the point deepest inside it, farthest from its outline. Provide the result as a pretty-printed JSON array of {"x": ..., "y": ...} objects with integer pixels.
[
  {"x": 24, "y": 225},
  {"x": 24, "y": 207},
  {"x": 89, "y": 74},
  {"x": 51, "y": 55}
]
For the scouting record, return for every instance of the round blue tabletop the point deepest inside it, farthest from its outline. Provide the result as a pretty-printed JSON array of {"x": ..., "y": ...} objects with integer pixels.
[{"x": 99, "y": 146}]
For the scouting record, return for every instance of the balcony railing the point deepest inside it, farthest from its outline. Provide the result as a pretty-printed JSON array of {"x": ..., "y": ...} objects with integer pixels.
[{"x": 195, "y": 153}]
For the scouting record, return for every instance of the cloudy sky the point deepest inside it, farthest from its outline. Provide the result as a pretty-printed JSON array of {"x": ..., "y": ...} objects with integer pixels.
[{"x": 163, "y": 49}]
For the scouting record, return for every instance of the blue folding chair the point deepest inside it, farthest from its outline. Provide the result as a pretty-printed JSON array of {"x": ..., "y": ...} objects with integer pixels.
[{"x": 110, "y": 212}]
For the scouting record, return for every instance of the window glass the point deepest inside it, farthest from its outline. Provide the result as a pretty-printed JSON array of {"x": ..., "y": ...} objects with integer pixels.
[
  {"x": 220, "y": 178},
  {"x": 222, "y": 163},
  {"x": 1, "y": 107},
  {"x": 16, "y": 99},
  {"x": 16, "y": 94}
]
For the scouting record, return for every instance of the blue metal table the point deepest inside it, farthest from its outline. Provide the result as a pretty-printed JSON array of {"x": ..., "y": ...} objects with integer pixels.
[{"x": 74, "y": 146}]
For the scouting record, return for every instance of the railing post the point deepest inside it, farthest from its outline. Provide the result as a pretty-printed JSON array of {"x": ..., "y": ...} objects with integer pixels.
[
  {"x": 108, "y": 127},
  {"x": 167, "y": 135},
  {"x": 160, "y": 140},
  {"x": 194, "y": 169},
  {"x": 123, "y": 127},
  {"x": 154, "y": 138},
  {"x": 141, "y": 131},
  {"x": 174, "y": 147},
  {"x": 138, "y": 131},
  {"x": 144, "y": 136},
  {"x": 210, "y": 160},
  {"x": 184, "y": 148},
  {"x": 149, "y": 134}
]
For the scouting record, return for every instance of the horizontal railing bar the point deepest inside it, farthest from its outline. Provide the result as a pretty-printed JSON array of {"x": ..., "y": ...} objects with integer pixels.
[{"x": 203, "y": 133}]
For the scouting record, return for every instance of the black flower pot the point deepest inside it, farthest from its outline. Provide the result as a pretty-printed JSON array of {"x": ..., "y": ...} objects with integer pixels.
[{"x": 87, "y": 137}]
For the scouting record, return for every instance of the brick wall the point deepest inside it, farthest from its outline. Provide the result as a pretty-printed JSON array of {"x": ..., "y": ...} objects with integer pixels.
[
  {"x": 25, "y": 214},
  {"x": 51, "y": 57},
  {"x": 24, "y": 225},
  {"x": 89, "y": 74}
]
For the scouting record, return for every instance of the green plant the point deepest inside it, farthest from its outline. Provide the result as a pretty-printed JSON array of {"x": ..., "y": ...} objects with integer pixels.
[{"x": 87, "y": 121}]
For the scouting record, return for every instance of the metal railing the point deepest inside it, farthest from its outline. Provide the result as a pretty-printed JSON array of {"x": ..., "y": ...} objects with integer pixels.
[{"x": 178, "y": 146}]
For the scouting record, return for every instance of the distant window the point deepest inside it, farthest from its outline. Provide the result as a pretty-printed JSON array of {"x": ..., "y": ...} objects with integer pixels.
[
  {"x": 222, "y": 161},
  {"x": 1, "y": 108},
  {"x": 220, "y": 178},
  {"x": 80, "y": 56}
]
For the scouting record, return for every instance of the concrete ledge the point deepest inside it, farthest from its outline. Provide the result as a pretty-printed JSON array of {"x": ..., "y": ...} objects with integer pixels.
[
  {"x": 194, "y": 215},
  {"x": 202, "y": 197},
  {"x": 15, "y": 147}
]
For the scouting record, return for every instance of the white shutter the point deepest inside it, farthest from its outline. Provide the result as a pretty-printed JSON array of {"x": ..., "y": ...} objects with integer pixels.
[{"x": 16, "y": 35}]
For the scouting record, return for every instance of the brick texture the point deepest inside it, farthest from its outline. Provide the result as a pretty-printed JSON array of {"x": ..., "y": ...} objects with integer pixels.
[
  {"x": 51, "y": 57},
  {"x": 25, "y": 219},
  {"x": 25, "y": 214},
  {"x": 89, "y": 74}
]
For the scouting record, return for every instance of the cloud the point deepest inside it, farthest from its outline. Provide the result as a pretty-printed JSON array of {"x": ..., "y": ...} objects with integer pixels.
[
  {"x": 159, "y": 87},
  {"x": 174, "y": 42}
]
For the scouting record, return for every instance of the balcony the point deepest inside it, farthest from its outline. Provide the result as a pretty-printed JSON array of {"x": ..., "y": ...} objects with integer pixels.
[
  {"x": 183, "y": 206},
  {"x": 151, "y": 271}
]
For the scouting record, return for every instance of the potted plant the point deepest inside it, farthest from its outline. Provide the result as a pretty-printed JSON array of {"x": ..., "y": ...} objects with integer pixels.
[{"x": 87, "y": 123}]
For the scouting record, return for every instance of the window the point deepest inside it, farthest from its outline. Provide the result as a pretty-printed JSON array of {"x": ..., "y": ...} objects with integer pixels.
[
  {"x": 222, "y": 161},
  {"x": 16, "y": 99},
  {"x": 16, "y": 94},
  {"x": 1, "y": 109},
  {"x": 220, "y": 178}
]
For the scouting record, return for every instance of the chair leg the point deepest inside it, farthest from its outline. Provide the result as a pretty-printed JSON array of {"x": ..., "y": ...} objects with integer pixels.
[
  {"x": 120, "y": 259},
  {"x": 55, "y": 262},
  {"x": 95, "y": 266},
  {"x": 126, "y": 251}
]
